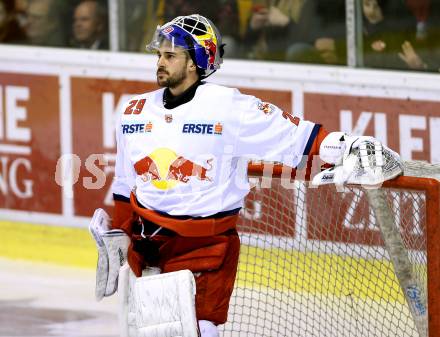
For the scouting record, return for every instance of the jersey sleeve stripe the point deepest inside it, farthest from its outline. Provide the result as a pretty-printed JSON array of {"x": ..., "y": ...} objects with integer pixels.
[{"x": 312, "y": 137}]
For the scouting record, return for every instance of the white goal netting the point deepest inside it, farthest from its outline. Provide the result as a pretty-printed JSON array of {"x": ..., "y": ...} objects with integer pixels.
[{"x": 315, "y": 261}]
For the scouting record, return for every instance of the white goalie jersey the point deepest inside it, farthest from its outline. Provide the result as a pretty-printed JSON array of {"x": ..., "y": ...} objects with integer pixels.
[{"x": 192, "y": 160}]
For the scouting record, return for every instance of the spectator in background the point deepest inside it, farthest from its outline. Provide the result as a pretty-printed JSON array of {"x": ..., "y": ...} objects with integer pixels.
[
  {"x": 420, "y": 9},
  {"x": 306, "y": 31},
  {"x": 388, "y": 37},
  {"x": 278, "y": 28},
  {"x": 227, "y": 21},
  {"x": 381, "y": 41},
  {"x": 44, "y": 23},
  {"x": 329, "y": 37},
  {"x": 90, "y": 26},
  {"x": 140, "y": 23},
  {"x": 20, "y": 7},
  {"x": 331, "y": 43},
  {"x": 10, "y": 31}
]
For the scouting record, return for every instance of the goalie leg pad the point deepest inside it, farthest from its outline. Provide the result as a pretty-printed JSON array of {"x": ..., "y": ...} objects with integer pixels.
[
  {"x": 124, "y": 298},
  {"x": 165, "y": 305},
  {"x": 127, "y": 311}
]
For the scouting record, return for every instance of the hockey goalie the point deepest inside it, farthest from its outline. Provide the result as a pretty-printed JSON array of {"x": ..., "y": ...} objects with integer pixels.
[{"x": 180, "y": 182}]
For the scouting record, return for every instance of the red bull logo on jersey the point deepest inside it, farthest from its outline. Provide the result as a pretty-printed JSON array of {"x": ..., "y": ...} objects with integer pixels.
[
  {"x": 164, "y": 169},
  {"x": 146, "y": 167},
  {"x": 182, "y": 169}
]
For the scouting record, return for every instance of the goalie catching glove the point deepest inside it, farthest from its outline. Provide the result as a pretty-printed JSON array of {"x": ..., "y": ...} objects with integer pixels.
[
  {"x": 112, "y": 247},
  {"x": 357, "y": 159}
]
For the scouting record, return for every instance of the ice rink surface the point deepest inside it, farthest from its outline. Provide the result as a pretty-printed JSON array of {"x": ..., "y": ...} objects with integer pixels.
[
  {"x": 44, "y": 300},
  {"x": 47, "y": 300}
]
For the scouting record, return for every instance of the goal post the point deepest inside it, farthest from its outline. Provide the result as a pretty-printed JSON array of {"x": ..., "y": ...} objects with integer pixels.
[{"x": 314, "y": 261}]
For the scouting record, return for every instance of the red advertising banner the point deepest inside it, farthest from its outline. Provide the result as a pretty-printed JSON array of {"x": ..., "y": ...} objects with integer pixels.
[
  {"x": 345, "y": 216},
  {"x": 29, "y": 142},
  {"x": 409, "y": 127}
]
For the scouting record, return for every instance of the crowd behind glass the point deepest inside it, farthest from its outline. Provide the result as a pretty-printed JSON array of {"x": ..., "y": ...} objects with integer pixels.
[{"x": 396, "y": 34}]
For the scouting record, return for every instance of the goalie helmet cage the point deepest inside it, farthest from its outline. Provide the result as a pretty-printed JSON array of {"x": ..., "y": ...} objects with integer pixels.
[{"x": 340, "y": 261}]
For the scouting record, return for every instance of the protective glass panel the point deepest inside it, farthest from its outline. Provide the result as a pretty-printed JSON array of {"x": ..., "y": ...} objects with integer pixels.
[
  {"x": 401, "y": 34},
  {"x": 55, "y": 23},
  {"x": 308, "y": 31}
]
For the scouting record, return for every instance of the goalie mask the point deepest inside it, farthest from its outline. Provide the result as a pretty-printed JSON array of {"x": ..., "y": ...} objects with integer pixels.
[{"x": 198, "y": 36}]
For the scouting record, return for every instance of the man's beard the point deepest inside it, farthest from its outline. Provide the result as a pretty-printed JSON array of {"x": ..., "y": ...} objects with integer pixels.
[{"x": 171, "y": 81}]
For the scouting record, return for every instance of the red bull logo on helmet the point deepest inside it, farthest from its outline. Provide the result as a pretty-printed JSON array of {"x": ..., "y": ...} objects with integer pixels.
[
  {"x": 164, "y": 169},
  {"x": 211, "y": 50}
]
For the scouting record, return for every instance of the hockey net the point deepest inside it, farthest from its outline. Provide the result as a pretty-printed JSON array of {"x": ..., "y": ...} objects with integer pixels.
[{"x": 334, "y": 262}]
